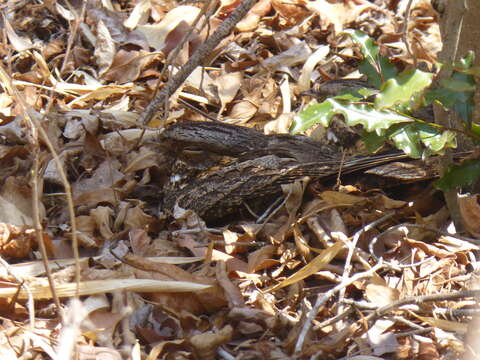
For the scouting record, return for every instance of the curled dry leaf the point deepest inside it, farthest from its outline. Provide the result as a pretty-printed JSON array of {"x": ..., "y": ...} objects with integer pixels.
[
  {"x": 337, "y": 13},
  {"x": 261, "y": 259},
  {"x": 206, "y": 344},
  {"x": 104, "y": 48},
  {"x": 292, "y": 11},
  {"x": 157, "y": 34},
  {"x": 15, "y": 241},
  {"x": 16, "y": 202},
  {"x": 138, "y": 14},
  {"x": 19, "y": 43},
  {"x": 251, "y": 20}
]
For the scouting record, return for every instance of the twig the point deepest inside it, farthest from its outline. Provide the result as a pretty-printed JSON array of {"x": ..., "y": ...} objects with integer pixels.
[
  {"x": 207, "y": 47},
  {"x": 334, "y": 319},
  {"x": 322, "y": 299},
  {"x": 38, "y": 224},
  {"x": 419, "y": 300},
  {"x": 351, "y": 250},
  {"x": 73, "y": 34},
  {"x": 186, "y": 37},
  {"x": 30, "y": 299},
  {"x": 405, "y": 32},
  {"x": 30, "y": 117}
]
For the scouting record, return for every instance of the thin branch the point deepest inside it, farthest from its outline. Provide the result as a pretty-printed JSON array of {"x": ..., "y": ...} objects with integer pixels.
[
  {"x": 197, "y": 58},
  {"x": 323, "y": 299}
]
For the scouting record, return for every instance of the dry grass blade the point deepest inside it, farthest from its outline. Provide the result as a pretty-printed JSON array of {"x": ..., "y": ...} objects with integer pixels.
[{"x": 105, "y": 286}]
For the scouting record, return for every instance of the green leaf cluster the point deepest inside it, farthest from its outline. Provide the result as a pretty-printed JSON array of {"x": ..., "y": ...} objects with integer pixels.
[{"x": 386, "y": 113}]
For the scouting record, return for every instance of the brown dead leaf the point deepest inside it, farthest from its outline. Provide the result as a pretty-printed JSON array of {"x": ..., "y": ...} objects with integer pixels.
[
  {"x": 293, "y": 11},
  {"x": 381, "y": 294},
  {"x": 339, "y": 198},
  {"x": 428, "y": 249},
  {"x": 99, "y": 187},
  {"x": 156, "y": 35},
  {"x": 16, "y": 242},
  {"x": 228, "y": 85},
  {"x": 262, "y": 258},
  {"x": 312, "y": 267},
  {"x": 88, "y": 352},
  {"x": 16, "y": 202},
  {"x": 206, "y": 345},
  {"x": 19, "y": 43},
  {"x": 102, "y": 215},
  {"x": 202, "y": 302},
  {"x": 128, "y": 66},
  {"x": 251, "y": 20},
  {"x": 242, "y": 111},
  {"x": 337, "y": 13},
  {"x": 104, "y": 48},
  {"x": 232, "y": 292}
]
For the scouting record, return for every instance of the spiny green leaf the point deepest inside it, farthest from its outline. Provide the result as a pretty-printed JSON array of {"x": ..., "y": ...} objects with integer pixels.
[
  {"x": 402, "y": 88},
  {"x": 312, "y": 115},
  {"x": 376, "y": 67},
  {"x": 435, "y": 139},
  {"x": 364, "y": 114}
]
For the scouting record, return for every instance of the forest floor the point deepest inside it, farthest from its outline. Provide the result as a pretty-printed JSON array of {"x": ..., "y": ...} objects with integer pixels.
[{"x": 128, "y": 280}]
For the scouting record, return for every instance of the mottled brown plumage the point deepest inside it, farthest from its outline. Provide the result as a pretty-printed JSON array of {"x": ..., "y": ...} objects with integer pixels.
[{"x": 218, "y": 166}]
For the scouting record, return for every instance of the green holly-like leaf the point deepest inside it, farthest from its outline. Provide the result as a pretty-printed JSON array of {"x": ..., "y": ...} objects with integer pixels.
[
  {"x": 460, "y": 175},
  {"x": 401, "y": 89},
  {"x": 364, "y": 114},
  {"x": 376, "y": 67},
  {"x": 419, "y": 140}
]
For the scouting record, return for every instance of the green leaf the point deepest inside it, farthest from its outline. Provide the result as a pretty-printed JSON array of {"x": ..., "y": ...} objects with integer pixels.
[
  {"x": 401, "y": 89},
  {"x": 376, "y": 67},
  {"x": 407, "y": 139},
  {"x": 457, "y": 91},
  {"x": 312, "y": 115},
  {"x": 459, "y": 82},
  {"x": 460, "y": 175},
  {"x": 435, "y": 139},
  {"x": 373, "y": 141},
  {"x": 475, "y": 128},
  {"x": 364, "y": 114},
  {"x": 367, "y": 46},
  {"x": 373, "y": 76},
  {"x": 466, "y": 62}
]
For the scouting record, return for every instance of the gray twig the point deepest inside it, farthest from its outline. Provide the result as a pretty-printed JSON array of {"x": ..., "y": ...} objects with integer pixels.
[{"x": 202, "y": 52}]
